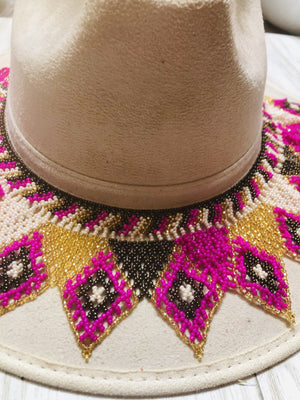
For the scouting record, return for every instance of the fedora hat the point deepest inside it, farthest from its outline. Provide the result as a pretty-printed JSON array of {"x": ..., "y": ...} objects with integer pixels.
[{"x": 149, "y": 198}]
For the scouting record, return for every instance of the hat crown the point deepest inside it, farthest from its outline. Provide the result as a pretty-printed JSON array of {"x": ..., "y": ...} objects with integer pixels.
[{"x": 143, "y": 103}]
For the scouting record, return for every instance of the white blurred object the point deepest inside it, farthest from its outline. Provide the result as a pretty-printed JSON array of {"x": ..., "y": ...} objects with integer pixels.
[
  {"x": 283, "y": 13},
  {"x": 5, "y": 30},
  {"x": 6, "y": 8},
  {"x": 283, "y": 77}
]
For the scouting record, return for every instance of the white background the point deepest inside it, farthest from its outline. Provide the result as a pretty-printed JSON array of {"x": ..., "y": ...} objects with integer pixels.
[{"x": 280, "y": 382}]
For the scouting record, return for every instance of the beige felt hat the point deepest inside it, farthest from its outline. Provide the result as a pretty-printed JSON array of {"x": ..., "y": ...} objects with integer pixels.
[{"x": 149, "y": 198}]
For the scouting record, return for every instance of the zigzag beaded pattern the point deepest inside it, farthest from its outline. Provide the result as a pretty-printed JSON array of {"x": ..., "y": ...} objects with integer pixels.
[
  {"x": 155, "y": 224},
  {"x": 291, "y": 164}
]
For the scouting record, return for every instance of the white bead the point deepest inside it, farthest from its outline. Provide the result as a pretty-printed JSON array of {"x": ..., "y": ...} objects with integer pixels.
[
  {"x": 15, "y": 269},
  {"x": 98, "y": 294},
  {"x": 260, "y": 272},
  {"x": 186, "y": 292}
]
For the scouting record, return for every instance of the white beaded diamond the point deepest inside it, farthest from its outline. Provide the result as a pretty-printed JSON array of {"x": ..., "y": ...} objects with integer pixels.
[
  {"x": 186, "y": 292},
  {"x": 98, "y": 294},
  {"x": 15, "y": 269},
  {"x": 260, "y": 272}
]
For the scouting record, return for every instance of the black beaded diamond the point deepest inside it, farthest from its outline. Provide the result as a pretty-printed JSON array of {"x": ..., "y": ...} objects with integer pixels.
[
  {"x": 287, "y": 105},
  {"x": 293, "y": 227},
  {"x": 175, "y": 296},
  {"x": 269, "y": 281},
  {"x": 291, "y": 165},
  {"x": 142, "y": 262},
  {"x": 86, "y": 292},
  {"x": 7, "y": 280}
]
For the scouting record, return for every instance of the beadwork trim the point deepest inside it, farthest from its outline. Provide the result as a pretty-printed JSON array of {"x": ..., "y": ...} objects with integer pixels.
[
  {"x": 105, "y": 260},
  {"x": 26, "y": 278},
  {"x": 119, "y": 300}
]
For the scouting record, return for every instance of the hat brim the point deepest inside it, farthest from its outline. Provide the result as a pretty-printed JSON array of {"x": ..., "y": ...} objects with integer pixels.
[{"x": 144, "y": 355}]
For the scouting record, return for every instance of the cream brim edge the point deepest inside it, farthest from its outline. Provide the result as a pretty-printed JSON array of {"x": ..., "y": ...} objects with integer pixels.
[
  {"x": 255, "y": 340},
  {"x": 159, "y": 384}
]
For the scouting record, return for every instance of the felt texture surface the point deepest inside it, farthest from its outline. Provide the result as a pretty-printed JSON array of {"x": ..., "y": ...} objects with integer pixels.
[
  {"x": 155, "y": 86},
  {"x": 143, "y": 355},
  {"x": 159, "y": 196}
]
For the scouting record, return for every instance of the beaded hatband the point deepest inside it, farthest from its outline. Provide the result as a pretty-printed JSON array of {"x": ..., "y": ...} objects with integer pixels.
[{"x": 106, "y": 260}]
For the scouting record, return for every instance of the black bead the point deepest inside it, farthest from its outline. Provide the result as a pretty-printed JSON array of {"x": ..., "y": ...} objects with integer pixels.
[{"x": 142, "y": 262}]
